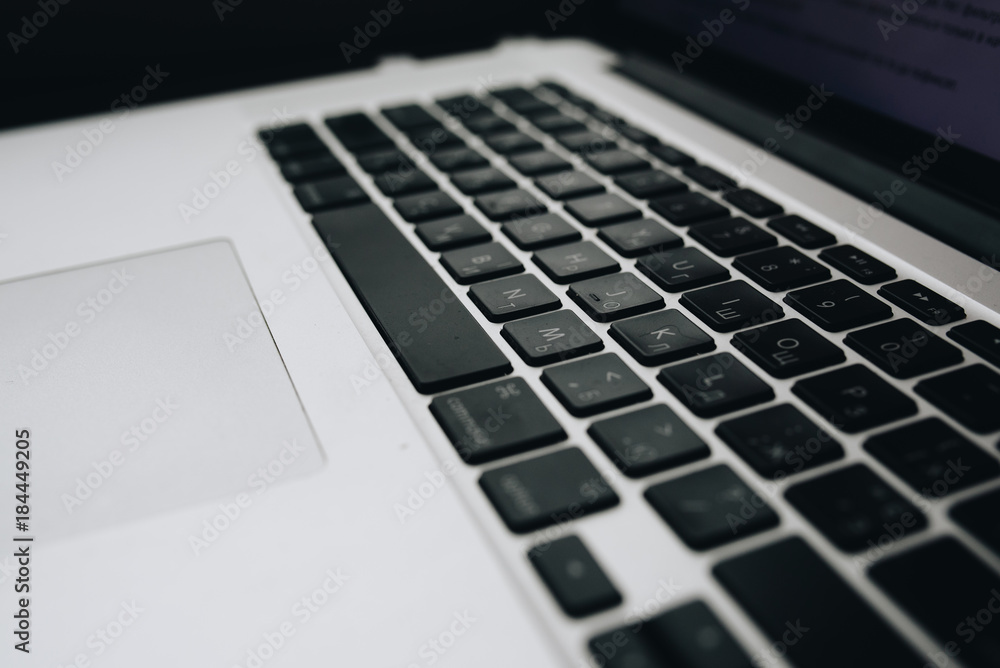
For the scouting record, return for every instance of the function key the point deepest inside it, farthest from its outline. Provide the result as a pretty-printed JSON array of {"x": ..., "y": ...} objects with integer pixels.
[
  {"x": 511, "y": 142},
  {"x": 709, "y": 178},
  {"x": 639, "y": 237},
  {"x": 574, "y": 577},
  {"x": 714, "y": 385},
  {"x": 732, "y": 236},
  {"x": 512, "y": 297},
  {"x": 426, "y": 206},
  {"x": 971, "y": 395},
  {"x": 481, "y": 180},
  {"x": 903, "y": 349},
  {"x": 932, "y": 458},
  {"x": 731, "y": 306},
  {"x": 480, "y": 263},
  {"x": 394, "y": 184},
  {"x": 753, "y": 203},
  {"x": 786, "y": 349},
  {"x": 552, "y": 337},
  {"x": 595, "y": 384},
  {"x": 547, "y": 229},
  {"x": 855, "y": 509},
  {"x": 858, "y": 265},
  {"x": 648, "y": 440},
  {"x": 616, "y": 161},
  {"x": 838, "y": 305},
  {"x": 554, "y": 488},
  {"x": 307, "y": 169},
  {"x": 781, "y": 268},
  {"x": 495, "y": 420},
  {"x": 538, "y": 162},
  {"x": 614, "y": 297},
  {"x": 978, "y": 516},
  {"x": 358, "y": 133},
  {"x": 409, "y": 117},
  {"x": 681, "y": 269},
  {"x": 332, "y": 193},
  {"x": 458, "y": 158},
  {"x": 649, "y": 183},
  {"x": 927, "y": 306},
  {"x": 661, "y": 338},
  {"x": 601, "y": 210},
  {"x": 981, "y": 338},
  {"x": 637, "y": 135},
  {"x": 671, "y": 155},
  {"x": 800, "y": 231},
  {"x": 292, "y": 142},
  {"x": 574, "y": 262},
  {"x": 854, "y": 398},
  {"x": 454, "y": 232},
  {"x": 565, "y": 185},
  {"x": 509, "y": 204},
  {"x": 711, "y": 507},
  {"x": 688, "y": 208},
  {"x": 779, "y": 441},
  {"x": 522, "y": 101}
]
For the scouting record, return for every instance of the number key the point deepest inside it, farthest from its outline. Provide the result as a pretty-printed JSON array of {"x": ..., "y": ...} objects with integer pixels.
[
  {"x": 781, "y": 268},
  {"x": 838, "y": 305}
]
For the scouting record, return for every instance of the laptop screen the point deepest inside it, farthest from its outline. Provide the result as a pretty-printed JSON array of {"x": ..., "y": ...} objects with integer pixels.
[{"x": 932, "y": 64}]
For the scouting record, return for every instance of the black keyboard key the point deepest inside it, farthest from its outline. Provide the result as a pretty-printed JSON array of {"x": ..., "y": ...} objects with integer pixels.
[
  {"x": 688, "y": 208},
  {"x": 715, "y": 385},
  {"x": 932, "y": 458},
  {"x": 903, "y": 349},
  {"x": 637, "y": 135},
  {"x": 601, "y": 210},
  {"x": 426, "y": 206},
  {"x": 595, "y": 384},
  {"x": 838, "y": 305},
  {"x": 691, "y": 636},
  {"x": 671, "y": 155},
  {"x": 574, "y": 577},
  {"x": 497, "y": 420},
  {"x": 484, "y": 124},
  {"x": 384, "y": 160},
  {"x": 430, "y": 139},
  {"x": 970, "y": 395},
  {"x": 681, "y": 269},
  {"x": 473, "y": 264},
  {"x": 661, "y": 338},
  {"x": 565, "y": 185},
  {"x": 509, "y": 204},
  {"x": 552, "y": 337},
  {"x": 293, "y": 142},
  {"x": 513, "y": 297},
  {"x": 800, "y": 231},
  {"x": 358, "y": 133},
  {"x": 454, "y": 232},
  {"x": 647, "y": 441},
  {"x": 708, "y": 178},
  {"x": 980, "y": 337},
  {"x": 463, "y": 106},
  {"x": 792, "y": 594},
  {"x": 545, "y": 230},
  {"x": 452, "y": 160},
  {"x": 626, "y": 647},
  {"x": 551, "y": 489},
  {"x": 438, "y": 353},
  {"x": 781, "y": 268},
  {"x": 856, "y": 510},
  {"x": 752, "y": 203},
  {"x": 786, "y": 349},
  {"x": 858, "y": 265},
  {"x": 575, "y": 262},
  {"x": 978, "y": 516},
  {"x": 308, "y": 169},
  {"x": 854, "y": 398},
  {"x": 556, "y": 123},
  {"x": 538, "y": 162},
  {"x": 616, "y": 161},
  {"x": 927, "y": 306},
  {"x": 955, "y": 600},
  {"x": 396, "y": 184},
  {"x": 506, "y": 143},
  {"x": 732, "y": 236},
  {"x": 409, "y": 117},
  {"x": 481, "y": 180},
  {"x": 336, "y": 192},
  {"x": 711, "y": 507},
  {"x": 614, "y": 297},
  {"x": 649, "y": 183},
  {"x": 639, "y": 237},
  {"x": 731, "y": 306},
  {"x": 779, "y": 441},
  {"x": 585, "y": 141},
  {"x": 522, "y": 101}
]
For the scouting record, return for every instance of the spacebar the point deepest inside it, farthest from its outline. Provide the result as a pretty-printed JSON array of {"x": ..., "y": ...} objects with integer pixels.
[{"x": 434, "y": 337}]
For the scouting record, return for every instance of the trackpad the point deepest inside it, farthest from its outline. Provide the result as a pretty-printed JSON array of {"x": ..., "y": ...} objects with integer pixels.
[{"x": 147, "y": 384}]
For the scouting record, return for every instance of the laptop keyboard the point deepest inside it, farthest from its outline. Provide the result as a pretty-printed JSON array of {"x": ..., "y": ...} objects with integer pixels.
[{"x": 640, "y": 282}]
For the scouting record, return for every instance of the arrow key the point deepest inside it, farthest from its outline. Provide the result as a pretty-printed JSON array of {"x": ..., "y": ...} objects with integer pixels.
[{"x": 647, "y": 441}]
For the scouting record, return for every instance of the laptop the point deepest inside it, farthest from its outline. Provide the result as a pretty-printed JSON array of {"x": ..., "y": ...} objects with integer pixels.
[{"x": 670, "y": 337}]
